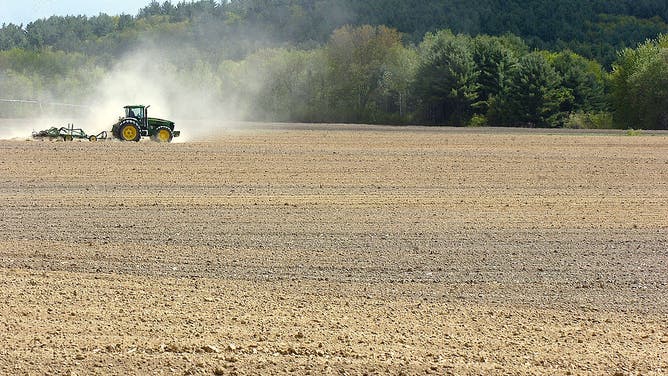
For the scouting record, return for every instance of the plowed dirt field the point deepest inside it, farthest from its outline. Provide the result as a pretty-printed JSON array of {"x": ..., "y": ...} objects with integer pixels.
[{"x": 336, "y": 250}]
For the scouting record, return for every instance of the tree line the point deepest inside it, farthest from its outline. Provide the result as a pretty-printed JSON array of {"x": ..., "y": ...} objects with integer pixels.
[
  {"x": 595, "y": 29},
  {"x": 280, "y": 62}
]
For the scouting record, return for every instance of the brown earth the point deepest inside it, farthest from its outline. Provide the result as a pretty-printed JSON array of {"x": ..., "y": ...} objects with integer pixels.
[{"x": 337, "y": 250}]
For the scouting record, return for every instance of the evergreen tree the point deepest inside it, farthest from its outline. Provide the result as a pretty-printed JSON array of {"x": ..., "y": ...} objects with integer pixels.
[
  {"x": 584, "y": 79},
  {"x": 12, "y": 36},
  {"x": 493, "y": 61},
  {"x": 533, "y": 96},
  {"x": 446, "y": 80}
]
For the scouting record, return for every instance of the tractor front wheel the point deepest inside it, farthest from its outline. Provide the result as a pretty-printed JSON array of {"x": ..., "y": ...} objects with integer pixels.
[
  {"x": 129, "y": 132},
  {"x": 163, "y": 134}
]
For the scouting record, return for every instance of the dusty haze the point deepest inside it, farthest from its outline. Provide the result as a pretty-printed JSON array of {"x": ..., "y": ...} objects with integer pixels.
[{"x": 173, "y": 80}]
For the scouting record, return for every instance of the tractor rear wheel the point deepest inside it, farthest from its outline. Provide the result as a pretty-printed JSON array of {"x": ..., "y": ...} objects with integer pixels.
[
  {"x": 129, "y": 132},
  {"x": 68, "y": 137},
  {"x": 163, "y": 134},
  {"x": 92, "y": 138}
]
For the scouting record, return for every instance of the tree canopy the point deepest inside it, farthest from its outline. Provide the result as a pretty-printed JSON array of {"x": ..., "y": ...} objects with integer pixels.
[
  {"x": 595, "y": 29},
  {"x": 640, "y": 86},
  {"x": 513, "y": 63}
]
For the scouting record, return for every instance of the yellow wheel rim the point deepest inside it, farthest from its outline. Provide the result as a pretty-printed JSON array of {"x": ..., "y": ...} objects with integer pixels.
[
  {"x": 163, "y": 135},
  {"x": 129, "y": 133}
]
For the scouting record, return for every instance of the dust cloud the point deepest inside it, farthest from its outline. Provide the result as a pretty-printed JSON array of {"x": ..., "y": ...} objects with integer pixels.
[
  {"x": 19, "y": 129},
  {"x": 185, "y": 89},
  {"x": 186, "y": 94}
]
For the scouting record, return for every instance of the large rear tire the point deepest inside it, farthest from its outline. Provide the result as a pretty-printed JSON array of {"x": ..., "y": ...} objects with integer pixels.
[
  {"x": 163, "y": 134},
  {"x": 129, "y": 131}
]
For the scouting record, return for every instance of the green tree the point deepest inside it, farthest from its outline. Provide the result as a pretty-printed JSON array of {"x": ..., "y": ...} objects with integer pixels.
[
  {"x": 640, "y": 86},
  {"x": 12, "y": 36},
  {"x": 359, "y": 60},
  {"x": 584, "y": 79},
  {"x": 396, "y": 86},
  {"x": 280, "y": 84},
  {"x": 446, "y": 80},
  {"x": 493, "y": 61},
  {"x": 533, "y": 96}
]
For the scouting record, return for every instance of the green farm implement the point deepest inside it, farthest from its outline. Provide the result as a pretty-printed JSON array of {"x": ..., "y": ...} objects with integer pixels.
[{"x": 68, "y": 133}]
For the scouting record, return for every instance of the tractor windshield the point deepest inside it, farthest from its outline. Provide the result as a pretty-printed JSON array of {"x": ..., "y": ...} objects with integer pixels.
[{"x": 134, "y": 112}]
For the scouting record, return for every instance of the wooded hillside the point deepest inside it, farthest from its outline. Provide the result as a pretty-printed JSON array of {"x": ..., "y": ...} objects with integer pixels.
[{"x": 528, "y": 63}]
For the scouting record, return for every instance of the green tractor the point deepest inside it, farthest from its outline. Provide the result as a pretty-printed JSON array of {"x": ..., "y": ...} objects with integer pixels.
[{"x": 136, "y": 124}]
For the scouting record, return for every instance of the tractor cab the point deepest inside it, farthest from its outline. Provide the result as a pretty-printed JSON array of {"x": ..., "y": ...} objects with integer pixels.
[{"x": 136, "y": 112}]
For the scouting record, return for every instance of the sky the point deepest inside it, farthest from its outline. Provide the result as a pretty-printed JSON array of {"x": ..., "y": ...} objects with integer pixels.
[{"x": 25, "y": 11}]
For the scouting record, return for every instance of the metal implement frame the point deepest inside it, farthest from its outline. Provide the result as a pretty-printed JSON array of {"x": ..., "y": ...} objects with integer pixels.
[{"x": 68, "y": 133}]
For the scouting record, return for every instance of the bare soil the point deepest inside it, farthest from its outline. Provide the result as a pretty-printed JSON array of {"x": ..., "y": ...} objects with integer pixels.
[{"x": 336, "y": 250}]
